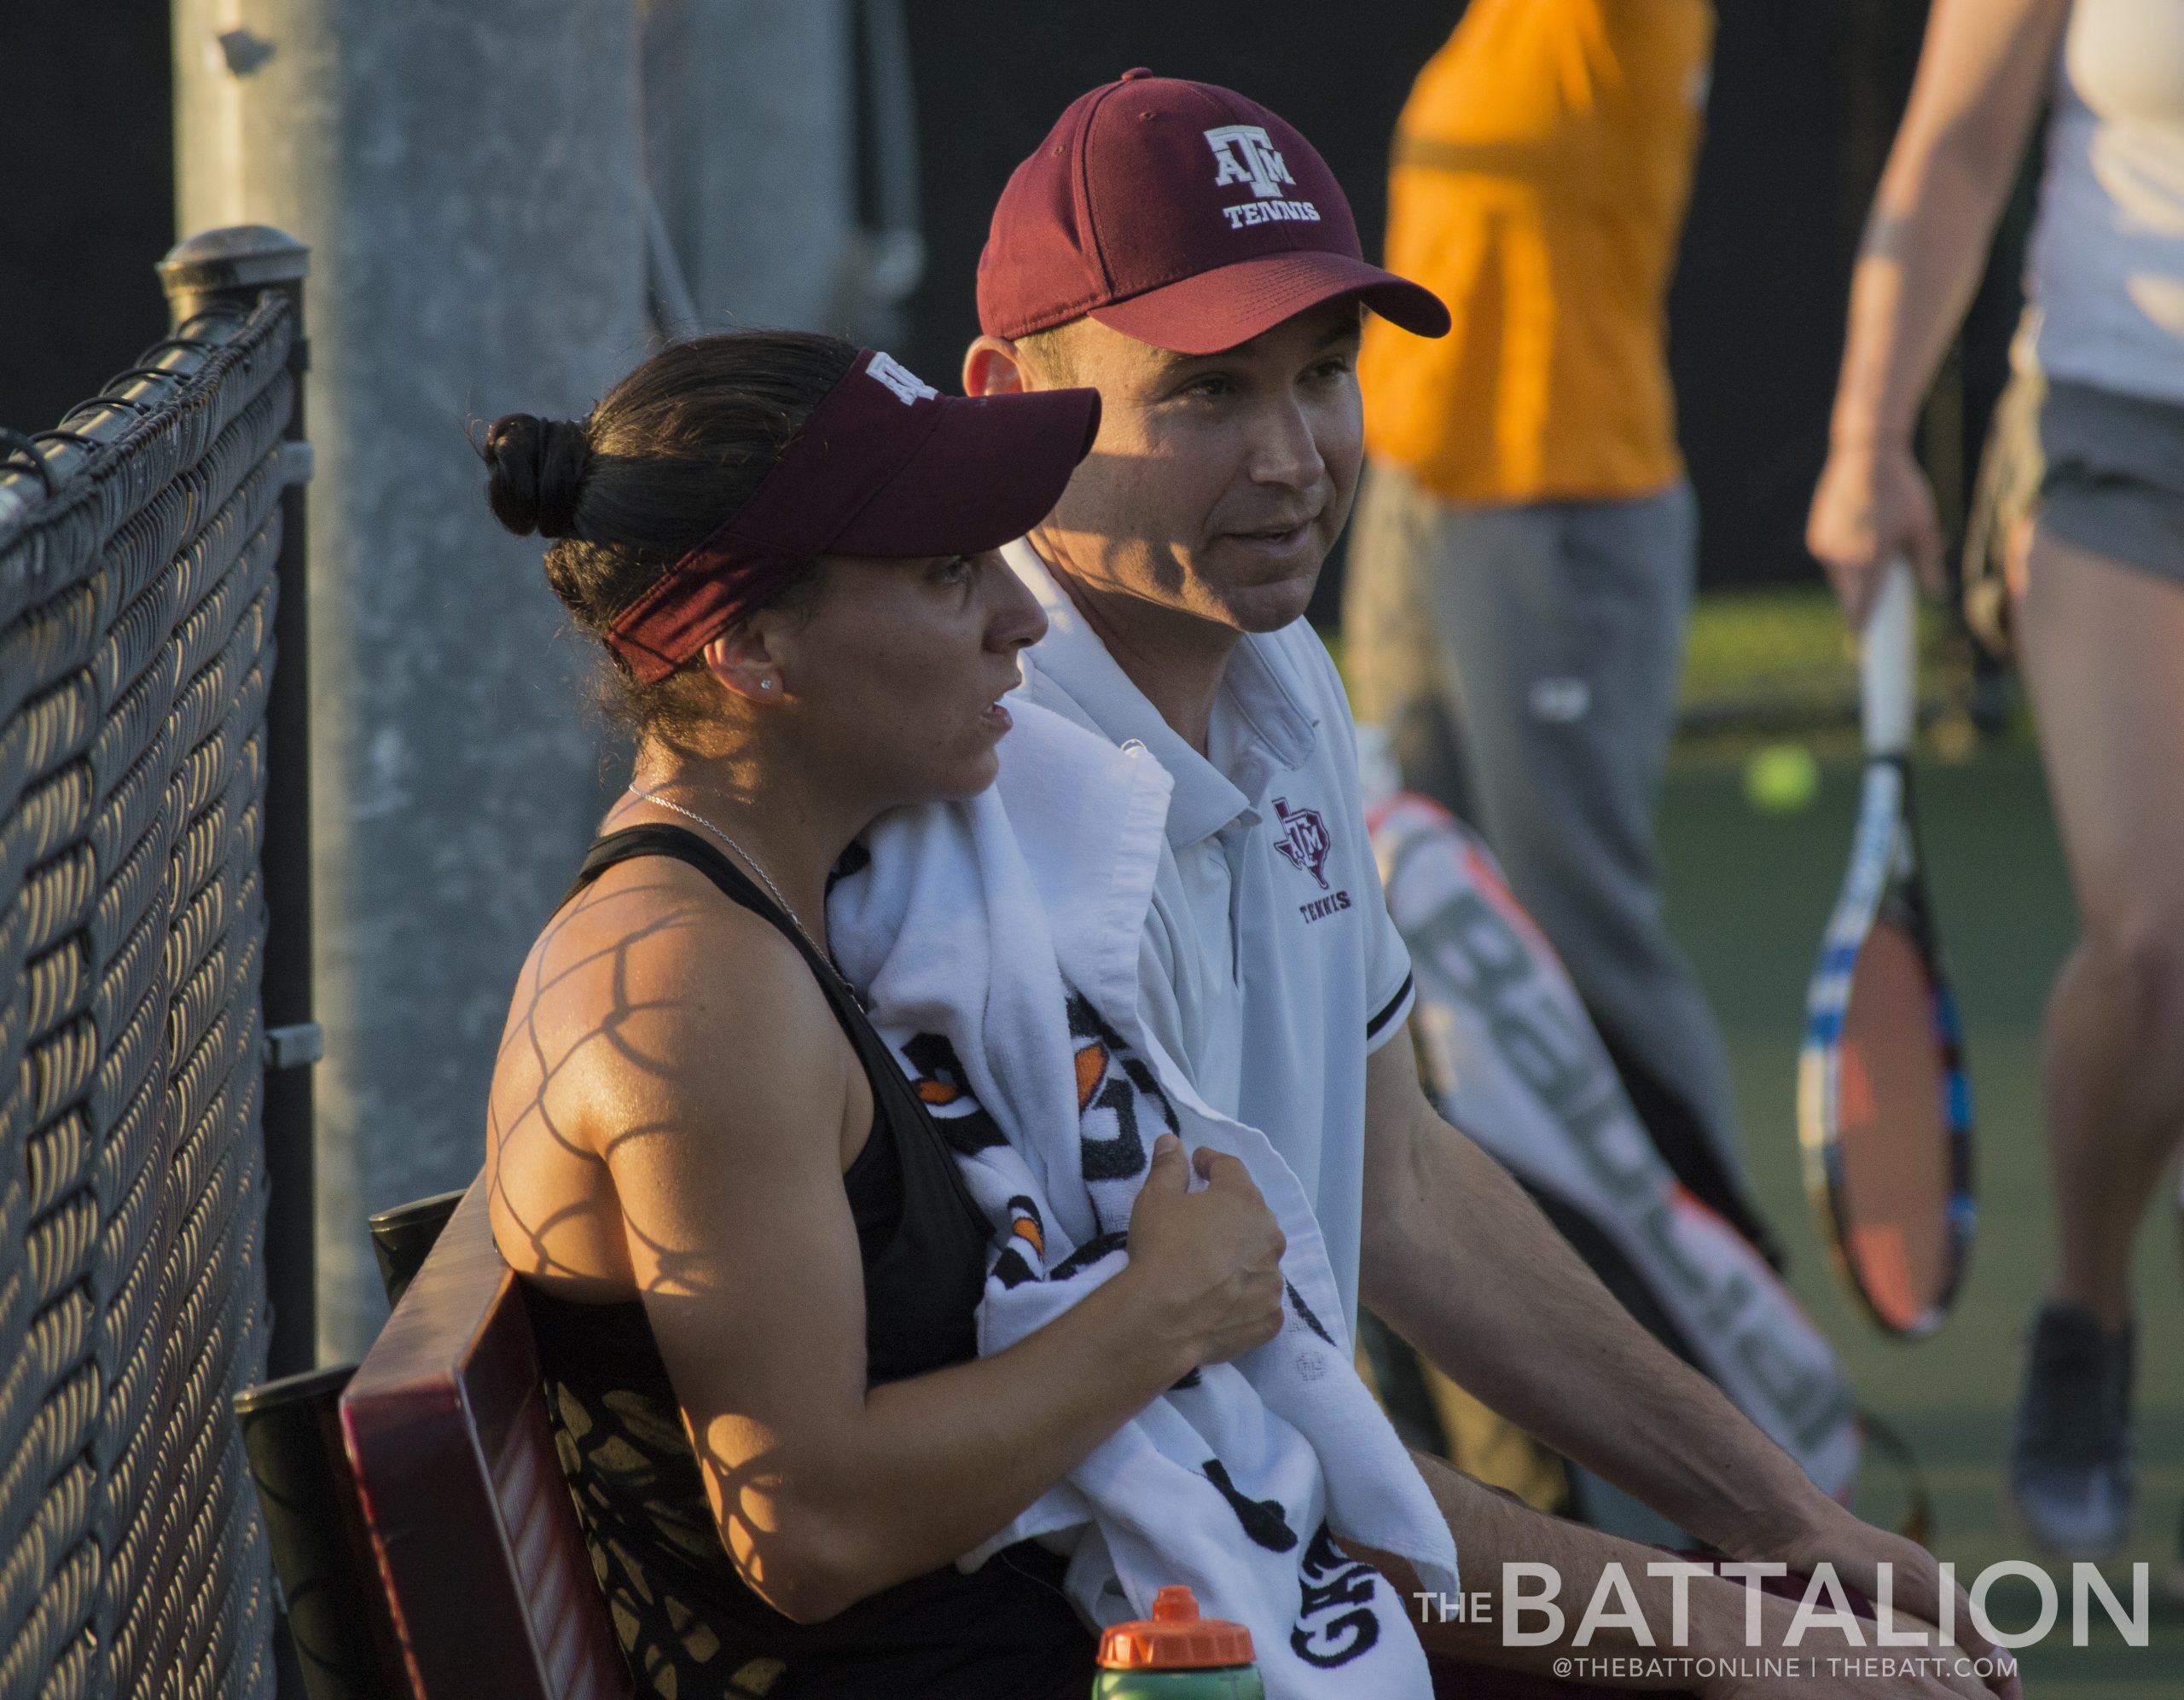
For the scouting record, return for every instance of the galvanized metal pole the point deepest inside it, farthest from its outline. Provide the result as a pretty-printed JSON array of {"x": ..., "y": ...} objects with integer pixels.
[
  {"x": 233, "y": 267},
  {"x": 751, "y": 136},
  {"x": 469, "y": 179}
]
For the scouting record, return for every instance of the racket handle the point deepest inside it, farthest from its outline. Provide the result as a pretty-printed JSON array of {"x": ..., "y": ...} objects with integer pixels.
[{"x": 1889, "y": 661}]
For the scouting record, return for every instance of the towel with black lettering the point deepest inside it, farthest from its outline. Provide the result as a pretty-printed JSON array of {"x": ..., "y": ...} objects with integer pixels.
[{"x": 996, "y": 942}]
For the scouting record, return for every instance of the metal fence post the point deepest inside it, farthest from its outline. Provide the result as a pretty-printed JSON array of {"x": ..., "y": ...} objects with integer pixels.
[{"x": 230, "y": 268}]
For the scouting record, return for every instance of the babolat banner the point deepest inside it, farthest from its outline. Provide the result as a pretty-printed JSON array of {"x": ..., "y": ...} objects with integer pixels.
[{"x": 1512, "y": 1057}]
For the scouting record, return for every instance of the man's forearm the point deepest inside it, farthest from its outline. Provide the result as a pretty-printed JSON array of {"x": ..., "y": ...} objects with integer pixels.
[{"x": 1459, "y": 1262}]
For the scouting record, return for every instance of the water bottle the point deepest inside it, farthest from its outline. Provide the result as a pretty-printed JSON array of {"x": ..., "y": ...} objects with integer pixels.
[{"x": 1177, "y": 1655}]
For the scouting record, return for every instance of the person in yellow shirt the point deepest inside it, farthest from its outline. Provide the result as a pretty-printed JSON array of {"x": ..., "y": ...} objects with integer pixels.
[
  {"x": 1522, "y": 559},
  {"x": 1541, "y": 167}
]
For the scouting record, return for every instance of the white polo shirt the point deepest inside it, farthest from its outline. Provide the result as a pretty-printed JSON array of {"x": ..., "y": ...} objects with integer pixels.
[{"x": 1269, "y": 968}]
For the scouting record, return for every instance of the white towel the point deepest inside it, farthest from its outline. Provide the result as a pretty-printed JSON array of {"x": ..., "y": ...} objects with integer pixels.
[{"x": 996, "y": 942}]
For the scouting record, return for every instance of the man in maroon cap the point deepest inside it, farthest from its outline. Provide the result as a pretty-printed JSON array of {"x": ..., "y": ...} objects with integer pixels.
[{"x": 1189, "y": 255}]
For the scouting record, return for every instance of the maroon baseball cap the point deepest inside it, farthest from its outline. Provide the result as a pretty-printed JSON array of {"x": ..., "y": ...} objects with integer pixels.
[
  {"x": 1184, "y": 215},
  {"x": 885, "y": 465}
]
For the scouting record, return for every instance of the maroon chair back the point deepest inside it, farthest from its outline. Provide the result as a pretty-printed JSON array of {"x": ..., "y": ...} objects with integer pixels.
[{"x": 471, "y": 1522}]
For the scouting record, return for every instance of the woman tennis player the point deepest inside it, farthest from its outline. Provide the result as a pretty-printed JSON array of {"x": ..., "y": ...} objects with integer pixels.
[
  {"x": 752, "y": 1264},
  {"x": 2100, "y": 582}
]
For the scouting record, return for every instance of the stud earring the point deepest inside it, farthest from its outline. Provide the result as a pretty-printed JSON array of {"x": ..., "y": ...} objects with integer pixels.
[{"x": 765, "y": 684}]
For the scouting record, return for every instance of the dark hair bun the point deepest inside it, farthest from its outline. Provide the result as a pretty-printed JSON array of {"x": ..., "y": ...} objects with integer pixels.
[{"x": 535, "y": 472}]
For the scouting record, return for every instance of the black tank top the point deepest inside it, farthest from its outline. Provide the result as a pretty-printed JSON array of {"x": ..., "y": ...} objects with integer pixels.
[{"x": 688, "y": 1623}]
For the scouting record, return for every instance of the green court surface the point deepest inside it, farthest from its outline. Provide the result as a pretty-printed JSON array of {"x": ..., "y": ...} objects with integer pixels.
[{"x": 1748, "y": 894}]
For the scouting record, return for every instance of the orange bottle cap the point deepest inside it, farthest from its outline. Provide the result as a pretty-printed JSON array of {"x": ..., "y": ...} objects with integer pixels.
[{"x": 1175, "y": 1638}]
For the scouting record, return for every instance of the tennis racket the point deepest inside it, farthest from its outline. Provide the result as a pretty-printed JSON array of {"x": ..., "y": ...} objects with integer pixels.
[{"x": 1883, "y": 1107}]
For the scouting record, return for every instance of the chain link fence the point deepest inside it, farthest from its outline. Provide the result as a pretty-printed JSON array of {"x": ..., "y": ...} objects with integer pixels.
[{"x": 138, "y": 595}]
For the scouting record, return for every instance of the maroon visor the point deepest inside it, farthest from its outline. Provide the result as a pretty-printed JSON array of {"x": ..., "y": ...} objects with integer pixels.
[{"x": 885, "y": 465}]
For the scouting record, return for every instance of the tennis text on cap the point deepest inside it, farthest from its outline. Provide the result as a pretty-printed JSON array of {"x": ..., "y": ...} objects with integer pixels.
[
  {"x": 1245, "y": 153},
  {"x": 906, "y": 384}
]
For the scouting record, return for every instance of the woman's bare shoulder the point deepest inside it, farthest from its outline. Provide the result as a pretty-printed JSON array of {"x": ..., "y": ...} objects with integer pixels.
[
  {"x": 651, "y": 1010},
  {"x": 652, "y": 945}
]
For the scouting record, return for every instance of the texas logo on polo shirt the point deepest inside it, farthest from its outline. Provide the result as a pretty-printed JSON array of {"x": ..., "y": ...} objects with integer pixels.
[{"x": 1306, "y": 845}]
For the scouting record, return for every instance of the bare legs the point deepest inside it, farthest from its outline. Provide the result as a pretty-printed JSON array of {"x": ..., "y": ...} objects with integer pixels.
[{"x": 2104, "y": 654}]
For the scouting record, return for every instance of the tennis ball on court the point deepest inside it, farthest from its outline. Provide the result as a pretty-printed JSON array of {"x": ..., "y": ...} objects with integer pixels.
[{"x": 1781, "y": 779}]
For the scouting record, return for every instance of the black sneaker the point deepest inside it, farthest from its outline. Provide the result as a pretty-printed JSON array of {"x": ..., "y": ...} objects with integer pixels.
[{"x": 2072, "y": 1475}]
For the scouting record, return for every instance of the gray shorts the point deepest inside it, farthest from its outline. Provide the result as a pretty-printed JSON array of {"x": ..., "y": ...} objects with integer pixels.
[
  {"x": 2100, "y": 469},
  {"x": 2113, "y": 478}
]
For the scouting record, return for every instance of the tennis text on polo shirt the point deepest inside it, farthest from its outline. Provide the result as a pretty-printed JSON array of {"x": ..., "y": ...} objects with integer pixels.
[
  {"x": 1245, "y": 153},
  {"x": 1304, "y": 846}
]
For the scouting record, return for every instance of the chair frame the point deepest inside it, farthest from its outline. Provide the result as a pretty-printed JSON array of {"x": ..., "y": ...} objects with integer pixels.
[{"x": 472, "y": 1526}]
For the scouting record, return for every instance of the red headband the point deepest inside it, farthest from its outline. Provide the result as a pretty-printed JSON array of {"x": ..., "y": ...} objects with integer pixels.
[{"x": 885, "y": 465}]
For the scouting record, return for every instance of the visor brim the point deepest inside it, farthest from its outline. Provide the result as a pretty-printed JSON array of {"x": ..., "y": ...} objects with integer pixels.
[{"x": 990, "y": 470}]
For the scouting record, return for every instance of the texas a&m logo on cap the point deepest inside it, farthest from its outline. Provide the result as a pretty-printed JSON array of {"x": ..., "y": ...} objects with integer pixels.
[
  {"x": 1248, "y": 155},
  {"x": 1245, "y": 153}
]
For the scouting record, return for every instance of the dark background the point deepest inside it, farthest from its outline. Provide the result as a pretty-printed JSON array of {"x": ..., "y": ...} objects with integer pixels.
[
  {"x": 86, "y": 198},
  {"x": 1804, "y": 99}
]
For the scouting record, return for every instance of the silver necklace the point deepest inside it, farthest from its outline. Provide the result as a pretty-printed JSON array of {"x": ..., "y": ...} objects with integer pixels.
[{"x": 757, "y": 867}]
